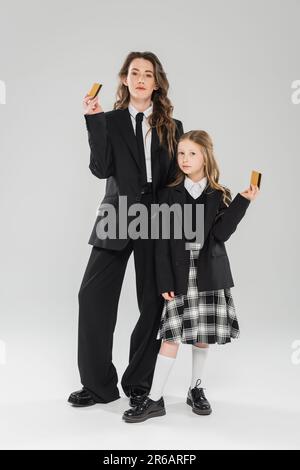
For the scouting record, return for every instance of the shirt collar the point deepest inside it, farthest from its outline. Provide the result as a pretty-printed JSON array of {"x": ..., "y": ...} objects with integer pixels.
[
  {"x": 188, "y": 183},
  {"x": 133, "y": 111}
]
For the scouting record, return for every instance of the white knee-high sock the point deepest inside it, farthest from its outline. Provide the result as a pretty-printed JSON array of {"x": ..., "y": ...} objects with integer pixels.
[
  {"x": 199, "y": 359},
  {"x": 162, "y": 370}
]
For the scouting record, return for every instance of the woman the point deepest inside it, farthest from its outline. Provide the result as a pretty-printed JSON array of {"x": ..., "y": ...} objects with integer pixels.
[{"x": 134, "y": 148}]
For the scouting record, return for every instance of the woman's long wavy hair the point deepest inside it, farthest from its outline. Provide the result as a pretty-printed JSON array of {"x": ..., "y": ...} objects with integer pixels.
[
  {"x": 211, "y": 168},
  {"x": 161, "y": 117}
]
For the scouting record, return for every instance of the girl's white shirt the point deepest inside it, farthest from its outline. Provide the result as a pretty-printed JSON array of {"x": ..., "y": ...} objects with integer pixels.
[{"x": 195, "y": 188}]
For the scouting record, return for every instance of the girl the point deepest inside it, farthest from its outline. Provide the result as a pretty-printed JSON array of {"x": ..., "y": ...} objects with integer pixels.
[
  {"x": 194, "y": 278},
  {"x": 133, "y": 147}
]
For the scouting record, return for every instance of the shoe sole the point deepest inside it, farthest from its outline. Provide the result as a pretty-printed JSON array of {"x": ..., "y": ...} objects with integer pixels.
[
  {"x": 200, "y": 412},
  {"x": 90, "y": 402},
  {"x": 140, "y": 420},
  {"x": 81, "y": 405}
]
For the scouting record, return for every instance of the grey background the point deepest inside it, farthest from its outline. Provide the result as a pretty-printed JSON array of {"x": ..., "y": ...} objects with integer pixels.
[{"x": 230, "y": 66}]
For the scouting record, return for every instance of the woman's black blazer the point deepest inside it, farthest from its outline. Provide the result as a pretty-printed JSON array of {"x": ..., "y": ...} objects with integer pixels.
[
  {"x": 213, "y": 270},
  {"x": 114, "y": 156}
]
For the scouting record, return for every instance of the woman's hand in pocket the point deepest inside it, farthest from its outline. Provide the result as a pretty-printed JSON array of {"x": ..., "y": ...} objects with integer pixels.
[{"x": 168, "y": 295}]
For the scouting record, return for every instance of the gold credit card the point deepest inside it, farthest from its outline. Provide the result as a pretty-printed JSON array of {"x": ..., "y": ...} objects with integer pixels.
[
  {"x": 95, "y": 90},
  {"x": 255, "y": 178}
]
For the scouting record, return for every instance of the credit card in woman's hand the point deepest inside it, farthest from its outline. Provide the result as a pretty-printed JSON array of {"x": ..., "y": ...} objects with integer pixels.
[
  {"x": 95, "y": 90},
  {"x": 255, "y": 178}
]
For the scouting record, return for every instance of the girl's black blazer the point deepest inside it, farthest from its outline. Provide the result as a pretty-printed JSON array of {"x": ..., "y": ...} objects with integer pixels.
[
  {"x": 114, "y": 157},
  {"x": 220, "y": 221}
]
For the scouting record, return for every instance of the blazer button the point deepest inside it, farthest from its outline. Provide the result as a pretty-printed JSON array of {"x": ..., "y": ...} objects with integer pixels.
[{"x": 137, "y": 198}]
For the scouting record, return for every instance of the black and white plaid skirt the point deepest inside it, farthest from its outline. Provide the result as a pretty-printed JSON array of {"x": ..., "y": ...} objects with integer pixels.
[{"x": 206, "y": 317}]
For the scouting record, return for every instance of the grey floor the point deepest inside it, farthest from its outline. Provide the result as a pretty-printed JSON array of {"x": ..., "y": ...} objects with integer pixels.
[
  {"x": 53, "y": 424},
  {"x": 252, "y": 385}
]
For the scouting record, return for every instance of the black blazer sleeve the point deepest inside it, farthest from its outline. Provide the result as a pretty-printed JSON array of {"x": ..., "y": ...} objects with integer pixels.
[
  {"x": 163, "y": 262},
  {"x": 173, "y": 164},
  {"x": 101, "y": 156},
  {"x": 229, "y": 217}
]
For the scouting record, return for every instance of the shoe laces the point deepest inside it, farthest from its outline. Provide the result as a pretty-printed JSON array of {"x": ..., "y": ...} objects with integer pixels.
[{"x": 199, "y": 391}]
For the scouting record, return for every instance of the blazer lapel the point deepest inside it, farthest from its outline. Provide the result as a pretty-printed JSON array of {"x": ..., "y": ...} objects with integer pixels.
[
  {"x": 212, "y": 199},
  {"x": 155, "y": 158},
  {"x": 126, "y": 130},
  {"x": 124, "y": 124}
]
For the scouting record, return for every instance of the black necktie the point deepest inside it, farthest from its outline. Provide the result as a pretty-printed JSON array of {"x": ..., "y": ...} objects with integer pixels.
[{"x": 140, "y": 145}]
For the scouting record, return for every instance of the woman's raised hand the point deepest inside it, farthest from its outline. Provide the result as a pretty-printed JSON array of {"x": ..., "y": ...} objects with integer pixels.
[
  {"x": 168, "y": 295},
  {"x": 251, "y": 192},
  {"x": 91, "y": 105}
]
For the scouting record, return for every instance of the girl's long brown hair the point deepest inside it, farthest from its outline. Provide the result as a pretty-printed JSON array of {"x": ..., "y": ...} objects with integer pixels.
[
  {"x": 161, "y": 117},
  {"x": 211, "y": 168}
]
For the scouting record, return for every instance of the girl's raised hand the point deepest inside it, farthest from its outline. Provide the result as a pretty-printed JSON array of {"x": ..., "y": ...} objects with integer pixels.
[
  {"x": 251, "y": 192},
  {"x": 91, "y": 105},
  {"x": 168, "y": 295}
]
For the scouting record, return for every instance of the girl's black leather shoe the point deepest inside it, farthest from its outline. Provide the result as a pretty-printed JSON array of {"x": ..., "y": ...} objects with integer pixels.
[
  {"x": 146, "y": 409},
  {"x": 198, "y": 401}
]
